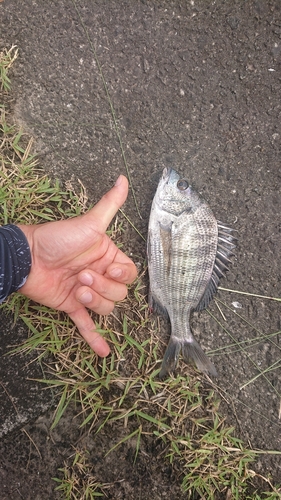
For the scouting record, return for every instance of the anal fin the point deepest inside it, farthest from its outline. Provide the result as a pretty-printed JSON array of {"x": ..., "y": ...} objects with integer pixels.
[{"x": 155, "y": 306}]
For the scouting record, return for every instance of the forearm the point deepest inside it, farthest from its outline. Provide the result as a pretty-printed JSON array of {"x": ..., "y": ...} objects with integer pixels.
[{"x": 15, "y": 260}]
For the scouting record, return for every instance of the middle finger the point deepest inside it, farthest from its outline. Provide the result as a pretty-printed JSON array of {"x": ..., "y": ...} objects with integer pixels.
[{"x": 106, "y": 287}]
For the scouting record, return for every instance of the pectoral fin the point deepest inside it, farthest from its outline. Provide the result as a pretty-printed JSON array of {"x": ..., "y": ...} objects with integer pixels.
[{"x": 166, "y": 240}]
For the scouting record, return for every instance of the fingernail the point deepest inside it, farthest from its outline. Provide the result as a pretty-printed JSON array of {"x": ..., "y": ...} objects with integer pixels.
[
  {"x": 86, "y": 297},
  {"x": 119, "y": 181},
  {"x": 116, "y": 272},
  {"x": 86, "y": 279}
]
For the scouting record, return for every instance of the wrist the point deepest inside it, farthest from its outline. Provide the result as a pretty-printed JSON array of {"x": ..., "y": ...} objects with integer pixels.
[{"x": 15, "y": 259}]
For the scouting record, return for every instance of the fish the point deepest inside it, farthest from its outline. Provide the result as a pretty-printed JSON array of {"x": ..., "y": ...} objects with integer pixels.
[{"x": 188, "y": 252}]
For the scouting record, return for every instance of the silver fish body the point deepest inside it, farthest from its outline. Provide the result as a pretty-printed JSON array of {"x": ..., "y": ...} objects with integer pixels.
[{"x": 188, "y": 252}]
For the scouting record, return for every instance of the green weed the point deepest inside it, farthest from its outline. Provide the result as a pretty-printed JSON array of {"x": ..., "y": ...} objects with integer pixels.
[
  {"x": 78, "y": 481},
  {"x": 7, "y": 58}
]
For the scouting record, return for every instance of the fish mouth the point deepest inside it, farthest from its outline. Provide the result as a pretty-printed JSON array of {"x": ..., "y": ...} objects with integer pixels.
[{"x": 170, "y": 175}]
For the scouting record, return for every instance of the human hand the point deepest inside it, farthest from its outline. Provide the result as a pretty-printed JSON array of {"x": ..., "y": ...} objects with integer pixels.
[{"x": 76, "y": 265}]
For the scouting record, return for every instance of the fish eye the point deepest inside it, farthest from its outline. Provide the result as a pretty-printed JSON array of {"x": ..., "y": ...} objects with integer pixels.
[{"x": 182, "y": 184}]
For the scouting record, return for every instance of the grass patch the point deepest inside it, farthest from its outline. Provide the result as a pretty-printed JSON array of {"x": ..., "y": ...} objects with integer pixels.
[
  {"x": 7, "y": 58},
  {"x": 78, "y": 481},
  {"x": 181, "y": 414}
]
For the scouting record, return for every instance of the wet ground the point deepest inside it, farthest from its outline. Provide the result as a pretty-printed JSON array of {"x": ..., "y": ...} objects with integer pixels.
[{"x": 195, "y": 86}]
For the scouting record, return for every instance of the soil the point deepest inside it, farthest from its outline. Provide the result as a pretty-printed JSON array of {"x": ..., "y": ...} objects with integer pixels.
[{"x": 196, "y": 86}]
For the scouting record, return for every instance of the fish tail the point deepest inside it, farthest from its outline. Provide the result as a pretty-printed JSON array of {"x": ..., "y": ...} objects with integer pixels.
[
  {"x": 171, "y": 356},
  {"x": 191, "y": 351}
]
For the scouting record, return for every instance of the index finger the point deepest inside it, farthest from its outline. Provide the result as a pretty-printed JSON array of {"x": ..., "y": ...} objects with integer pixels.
[
  {"x": 87, "y": 328},
  {"x": 104, "y": 211}
]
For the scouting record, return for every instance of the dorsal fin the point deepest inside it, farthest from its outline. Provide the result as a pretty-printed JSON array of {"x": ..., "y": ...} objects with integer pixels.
[{"x": 226, "y": 244}]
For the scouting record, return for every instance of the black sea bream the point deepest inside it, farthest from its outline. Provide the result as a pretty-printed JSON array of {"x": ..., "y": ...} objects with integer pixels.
[{"x": 188, "y": 252}]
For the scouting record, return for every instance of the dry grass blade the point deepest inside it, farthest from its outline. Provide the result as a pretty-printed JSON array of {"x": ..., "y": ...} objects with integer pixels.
[
  {"x": 113, "y": 113},
  {"x": 277, "y": 299},
  {"x": 245, "y": 345}
]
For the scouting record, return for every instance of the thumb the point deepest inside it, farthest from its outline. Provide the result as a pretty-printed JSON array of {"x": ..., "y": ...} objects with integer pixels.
[{"x": 104, "y": 211}]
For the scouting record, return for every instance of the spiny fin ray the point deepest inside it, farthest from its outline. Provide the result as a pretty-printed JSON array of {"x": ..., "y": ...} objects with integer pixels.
[{"x": 226, "y": 244}]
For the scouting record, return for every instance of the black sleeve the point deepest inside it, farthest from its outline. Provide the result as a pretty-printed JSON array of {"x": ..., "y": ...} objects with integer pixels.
[{"x": 15, "y": 260}]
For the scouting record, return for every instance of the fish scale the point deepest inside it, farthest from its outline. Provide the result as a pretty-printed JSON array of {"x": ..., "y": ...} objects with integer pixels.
[{"x": 188, "y": 252}]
